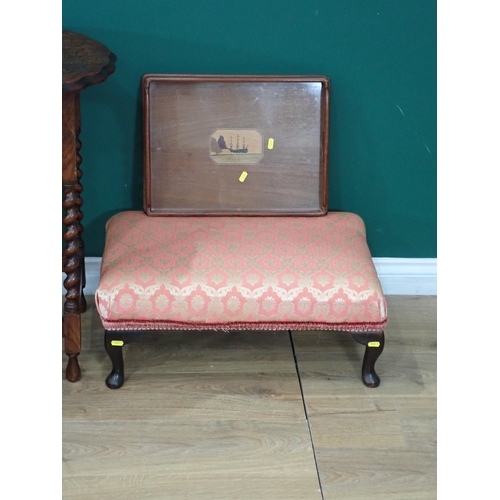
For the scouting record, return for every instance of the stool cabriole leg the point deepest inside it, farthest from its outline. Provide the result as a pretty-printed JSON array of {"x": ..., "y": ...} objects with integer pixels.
[
  {"x": 374, "y": 342},
  {"x": 113, "y": 343}
]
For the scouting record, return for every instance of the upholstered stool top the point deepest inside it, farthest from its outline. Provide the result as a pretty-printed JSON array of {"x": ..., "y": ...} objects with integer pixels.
[{"x": 239, "y": 273}]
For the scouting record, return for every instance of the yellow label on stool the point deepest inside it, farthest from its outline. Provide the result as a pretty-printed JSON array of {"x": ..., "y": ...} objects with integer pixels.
[
  {"x": 117, "y": 343},
  {"x": 270, "y": 143},
  {"x": 243, "y": 176},
  {"x": 373, "y": 344}
]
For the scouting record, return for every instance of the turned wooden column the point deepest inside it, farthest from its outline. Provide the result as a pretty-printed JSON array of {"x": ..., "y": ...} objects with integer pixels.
[{"x": 85, "y": 62}]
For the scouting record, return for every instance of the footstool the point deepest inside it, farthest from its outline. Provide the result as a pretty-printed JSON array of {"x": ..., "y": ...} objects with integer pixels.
[
  {"x": 239, "y": 273},
  {"x": 235, "y": 232}
]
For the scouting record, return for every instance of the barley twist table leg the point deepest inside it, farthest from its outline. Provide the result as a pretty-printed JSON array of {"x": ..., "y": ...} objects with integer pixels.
[
  {"x": 72, "y": 254},
  {"x": 79, "y": 189}
]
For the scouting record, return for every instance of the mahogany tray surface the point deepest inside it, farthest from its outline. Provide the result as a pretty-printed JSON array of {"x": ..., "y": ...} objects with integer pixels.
[{"x": 235, "y": 144}]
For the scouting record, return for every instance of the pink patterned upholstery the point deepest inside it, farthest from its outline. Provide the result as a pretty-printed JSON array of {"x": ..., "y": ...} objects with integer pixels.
[{"x": 239, "y": 273}]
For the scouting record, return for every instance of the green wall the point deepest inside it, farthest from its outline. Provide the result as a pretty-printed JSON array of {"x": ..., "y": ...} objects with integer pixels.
[{"x": 379, "y": 54}]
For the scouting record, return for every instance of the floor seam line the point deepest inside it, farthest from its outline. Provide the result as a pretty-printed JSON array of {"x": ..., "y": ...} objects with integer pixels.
[{"x": 305, "y": 413}]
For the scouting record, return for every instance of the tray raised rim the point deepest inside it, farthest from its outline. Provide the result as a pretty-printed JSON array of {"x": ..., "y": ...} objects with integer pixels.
[{"x": 148, "y": 78}]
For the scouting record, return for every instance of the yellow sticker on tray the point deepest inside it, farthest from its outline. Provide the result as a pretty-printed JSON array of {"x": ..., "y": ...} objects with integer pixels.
[
  {"x": 243, "y": 176},
  {"x": 373, "y": 344},
  {"x": 270, "y": 143}
]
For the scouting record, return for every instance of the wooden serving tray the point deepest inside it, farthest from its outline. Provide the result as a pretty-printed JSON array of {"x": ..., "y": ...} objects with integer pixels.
[{"x": 235, "y": 145}]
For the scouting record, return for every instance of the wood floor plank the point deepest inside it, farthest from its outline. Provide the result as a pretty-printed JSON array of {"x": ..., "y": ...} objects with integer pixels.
[
  {"x": 217, "y": 415},
  {"x": 238, "y": 396},
  {"x": 418, "y": 417},
  {"x": 210, "y": 447},
  {"x": 374, "y": 443},
  {"x": 259, "y": 451},
  {"x": 370, "y": 473},
  {"x": 401, "y": 374},
  {"x": 354, "y": 422},
  {"x": 150, "y": 356},
  {"x": 208, "y": 415},
  {"x": 246, "y": 486}
]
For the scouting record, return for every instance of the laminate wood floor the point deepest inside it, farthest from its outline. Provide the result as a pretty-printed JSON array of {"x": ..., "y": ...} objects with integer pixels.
[{"x": 255, "y": 415}]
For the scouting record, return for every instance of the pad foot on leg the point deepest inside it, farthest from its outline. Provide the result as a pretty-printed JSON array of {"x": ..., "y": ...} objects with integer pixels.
[{"x": 374, "y": 342}]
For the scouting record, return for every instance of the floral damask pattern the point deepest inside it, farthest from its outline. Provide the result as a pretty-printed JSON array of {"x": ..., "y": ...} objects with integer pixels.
[{"x": 239, "y": 273}]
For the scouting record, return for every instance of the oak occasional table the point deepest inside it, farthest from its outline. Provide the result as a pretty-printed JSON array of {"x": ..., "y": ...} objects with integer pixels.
[{"x": 85, "y": 62}]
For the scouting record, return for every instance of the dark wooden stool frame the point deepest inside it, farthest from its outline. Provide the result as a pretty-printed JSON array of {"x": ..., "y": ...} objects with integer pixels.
[{"x": 115, "y": 340}]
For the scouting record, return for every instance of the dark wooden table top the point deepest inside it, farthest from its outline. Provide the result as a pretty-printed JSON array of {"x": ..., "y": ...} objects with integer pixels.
[{"x": 85, "y": 61}]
